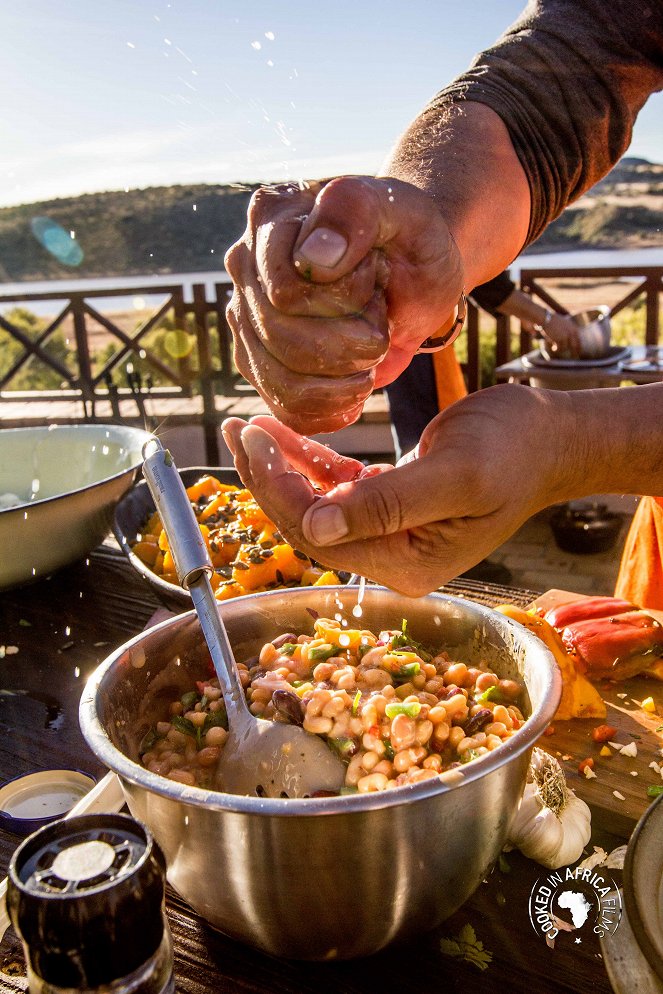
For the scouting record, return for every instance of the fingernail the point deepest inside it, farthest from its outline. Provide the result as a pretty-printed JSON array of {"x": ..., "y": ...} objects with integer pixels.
[
  {"x": 228, "y": 439},
  {"x": 260, "y": 447},
  {"x": 325, "y": 525},
  {"x": 323, "y": 247}
]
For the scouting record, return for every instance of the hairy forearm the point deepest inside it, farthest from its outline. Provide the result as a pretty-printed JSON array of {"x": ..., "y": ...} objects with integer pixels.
[
  {"x": 614, "y": 441},
  {"x": 463, "y": 158}
]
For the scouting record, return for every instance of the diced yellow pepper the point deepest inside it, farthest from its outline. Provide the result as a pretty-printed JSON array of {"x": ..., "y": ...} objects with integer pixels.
[
  {"x": 206, "y": 486},
  {"x": 327, "y": 579}
]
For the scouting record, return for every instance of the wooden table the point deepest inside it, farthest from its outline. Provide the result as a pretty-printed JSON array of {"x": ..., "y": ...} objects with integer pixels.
[
  {"x": 638, "y": 367},
  {"x": 63, "y": 627}
]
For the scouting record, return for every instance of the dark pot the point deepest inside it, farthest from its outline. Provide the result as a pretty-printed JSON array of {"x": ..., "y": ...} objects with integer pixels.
[{"x": 585, "y": 528}]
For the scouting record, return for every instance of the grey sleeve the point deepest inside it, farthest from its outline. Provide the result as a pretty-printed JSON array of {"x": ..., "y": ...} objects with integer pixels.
[{"x": 568, "y": 79}]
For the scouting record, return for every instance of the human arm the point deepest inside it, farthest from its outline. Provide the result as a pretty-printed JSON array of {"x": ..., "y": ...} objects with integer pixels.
[
  {"x": 484, "y": 466},
  {"x": 559, "y": 330},
  {"x": 331, "y": 306},
  {"x": 501, "y": 296}
]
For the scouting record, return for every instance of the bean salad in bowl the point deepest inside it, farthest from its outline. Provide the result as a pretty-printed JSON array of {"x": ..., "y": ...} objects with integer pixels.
[{"x": 395, "y": 711}]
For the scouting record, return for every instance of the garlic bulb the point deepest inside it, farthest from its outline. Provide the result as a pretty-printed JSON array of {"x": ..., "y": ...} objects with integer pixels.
[{"x": 552, "y": 825}]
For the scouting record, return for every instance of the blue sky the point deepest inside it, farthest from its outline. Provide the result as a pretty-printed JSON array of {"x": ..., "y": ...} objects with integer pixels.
[{"x": 114, "y": 94}]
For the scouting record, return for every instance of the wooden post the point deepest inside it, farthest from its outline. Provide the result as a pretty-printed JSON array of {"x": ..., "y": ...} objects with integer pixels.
[
  {"x": 473, "y": 350},
  {"x": 206, "y": 373},
  {"x": 225, "y": 337},
  {"x": 84, "y": 366},
  {"x": 653, "y": 290}
]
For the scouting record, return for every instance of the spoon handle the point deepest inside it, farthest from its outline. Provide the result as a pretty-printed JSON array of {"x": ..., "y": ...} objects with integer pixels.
[
  {"x": 216, "y": 636},
  {"x": 172, "y": 502},
  {"x": 192, "y": 563}
]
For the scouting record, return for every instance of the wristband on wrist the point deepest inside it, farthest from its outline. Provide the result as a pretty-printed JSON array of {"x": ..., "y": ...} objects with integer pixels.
[
  {"x": 540, "y": 329},
  {"x": 437, "y": 342}
]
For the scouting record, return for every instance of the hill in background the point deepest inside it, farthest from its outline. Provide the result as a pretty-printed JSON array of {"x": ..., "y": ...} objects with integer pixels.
[
  {"x": 170, "y": 229},
  {"x": 176, "y": 229}
]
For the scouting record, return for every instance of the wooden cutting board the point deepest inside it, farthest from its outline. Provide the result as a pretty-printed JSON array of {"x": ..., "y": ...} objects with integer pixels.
[{"x": 571, "y": 742}]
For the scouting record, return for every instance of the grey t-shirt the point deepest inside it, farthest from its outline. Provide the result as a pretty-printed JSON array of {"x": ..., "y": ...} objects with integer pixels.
[{"x": 568, "y": 79}]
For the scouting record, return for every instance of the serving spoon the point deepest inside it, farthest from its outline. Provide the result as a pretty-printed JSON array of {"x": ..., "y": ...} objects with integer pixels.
[{"x": 259, "y": 757}]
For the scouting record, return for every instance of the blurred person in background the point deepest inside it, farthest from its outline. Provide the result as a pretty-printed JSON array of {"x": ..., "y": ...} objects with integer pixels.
[
  {"x": 338, "y": 284},
  {"x": 434, "y": 381}
]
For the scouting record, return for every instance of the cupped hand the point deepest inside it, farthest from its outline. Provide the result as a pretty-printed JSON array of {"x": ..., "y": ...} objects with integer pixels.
[
  {"x": 483, "y": 467},
  {"x": 335, "y": 287},
  {"x": 564, "y": 335}
]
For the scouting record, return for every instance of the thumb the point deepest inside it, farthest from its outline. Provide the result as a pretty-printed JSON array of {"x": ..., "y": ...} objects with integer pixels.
[
  {"x": 408, "y": 497},
  {"x": 350, "y": 217}
]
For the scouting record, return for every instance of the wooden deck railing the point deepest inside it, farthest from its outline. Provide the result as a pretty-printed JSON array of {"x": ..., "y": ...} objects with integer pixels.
[{"x": 207, "y": 374}]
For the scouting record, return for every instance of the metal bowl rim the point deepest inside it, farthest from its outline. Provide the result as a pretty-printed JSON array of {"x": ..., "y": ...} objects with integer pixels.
[
  {"x": 636, "y": 921},
  {"x": 45, "y": 501},
  {"x": 169, "y": 591},
  {"x": 98, "y": 740},
  {"x": 601, "y": 311}
]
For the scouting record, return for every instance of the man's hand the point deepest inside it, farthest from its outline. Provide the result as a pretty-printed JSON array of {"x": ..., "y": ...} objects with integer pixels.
[
  {"x": 483, "y": 467},
  {"x": 336, "y": 286}
]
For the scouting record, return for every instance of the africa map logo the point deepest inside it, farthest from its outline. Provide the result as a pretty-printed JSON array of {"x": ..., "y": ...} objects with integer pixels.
[{"x": 574, "y": 900}]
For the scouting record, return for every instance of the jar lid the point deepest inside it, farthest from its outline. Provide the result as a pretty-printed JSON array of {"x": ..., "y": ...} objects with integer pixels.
[
  {"x": 29, "y": 802},
  {"x": 85, "y": 894}
]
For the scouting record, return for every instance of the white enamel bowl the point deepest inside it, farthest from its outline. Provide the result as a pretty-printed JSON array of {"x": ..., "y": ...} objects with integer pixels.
[{"x": 67, "y": 480}]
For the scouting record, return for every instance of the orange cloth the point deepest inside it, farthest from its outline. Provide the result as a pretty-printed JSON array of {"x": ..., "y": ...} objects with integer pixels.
[
  {"x": 640, "y": 578},
  {"x": 449, "y": 381}
]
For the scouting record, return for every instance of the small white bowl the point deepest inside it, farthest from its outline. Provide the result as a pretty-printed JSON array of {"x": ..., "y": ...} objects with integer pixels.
[
  {"x": 29, "y": 802},
  {"x": 68, "y": 479}
]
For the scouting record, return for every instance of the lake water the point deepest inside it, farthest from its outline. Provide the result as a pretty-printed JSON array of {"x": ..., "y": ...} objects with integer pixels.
[{"x": 589, "y": 258}]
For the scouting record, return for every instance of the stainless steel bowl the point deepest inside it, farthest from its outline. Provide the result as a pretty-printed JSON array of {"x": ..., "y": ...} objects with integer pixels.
[
  {"x": 595, "y": 332},
  {"x": 322, "y": 878},
  {"x": 633, "y": 954}
]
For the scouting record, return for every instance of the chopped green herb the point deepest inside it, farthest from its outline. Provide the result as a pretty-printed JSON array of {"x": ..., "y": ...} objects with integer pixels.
[
  {"x": 655, "y": 790},
  {"x": 189, "y": 700},
  {"x": 322, "y": 652},
  {"x": 24, "y": 623},
  {"x": 491, "y": 694},
  {"x": 469, "y": 755},
  {"x": 660, "y": 728},
  {"x": 388, "y": 749},
  {"x": 344, "y": 746},
  {"x": 147, "y": 742},
  {"x": 288, "y": 648},
  {"x": 356, "y": 702},
  {"x": 216, "y": 719},
  {"x": 184, "y": 725},
  {"x": 403, "y": 638},
  {"x": 466, "y": 946},
  {"x": 407, "y": 671},
  {"x": 411, "y": 709}
]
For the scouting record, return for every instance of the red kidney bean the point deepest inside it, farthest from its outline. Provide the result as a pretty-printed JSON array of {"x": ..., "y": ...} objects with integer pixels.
[
  {"x": 288, "y": 707},
  {"x": 282, "y": 639},
  {"x": 478, "y": 721}
]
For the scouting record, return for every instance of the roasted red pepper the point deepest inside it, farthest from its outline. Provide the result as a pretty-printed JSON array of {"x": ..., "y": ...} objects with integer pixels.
[
  {"x": 585, "y": 609},
  {"x": 618, "y": 646}
]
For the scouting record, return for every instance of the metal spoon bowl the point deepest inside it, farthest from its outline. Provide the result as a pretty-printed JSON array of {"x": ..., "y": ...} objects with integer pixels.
[{"x": 263, "y": 758}]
